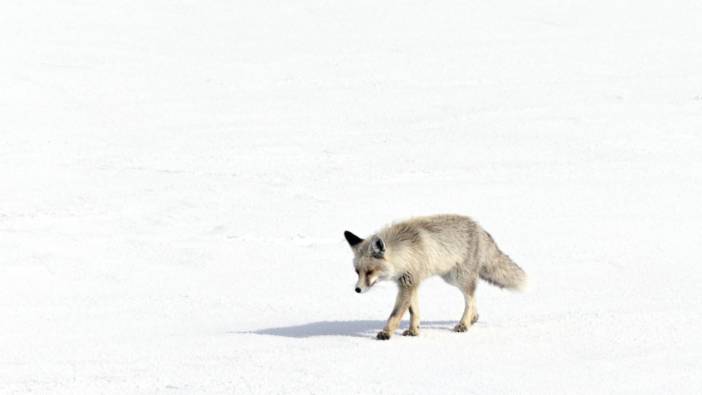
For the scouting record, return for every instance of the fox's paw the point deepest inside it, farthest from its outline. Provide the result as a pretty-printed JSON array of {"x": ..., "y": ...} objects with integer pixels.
[
  {"x": 382, "y": 335},
  {"x": 411, "y": 332},
  {"x": 475, "y": 319},
  {"x": 461, "y": 327}
]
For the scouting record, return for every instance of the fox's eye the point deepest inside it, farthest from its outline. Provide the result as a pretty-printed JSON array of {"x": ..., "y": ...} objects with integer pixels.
[
  {"x": 369, "y": 273},
  {"x": 356, "y": 271}
]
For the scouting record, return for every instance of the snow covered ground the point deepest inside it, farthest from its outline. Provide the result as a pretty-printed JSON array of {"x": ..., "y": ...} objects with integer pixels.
[{"x": 175, "y": 178}]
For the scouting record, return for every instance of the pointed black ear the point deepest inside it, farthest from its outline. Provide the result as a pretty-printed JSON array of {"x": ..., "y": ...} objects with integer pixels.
[
  {"x": 378, "y": 248},
  {"x": 352, "y": 238}
]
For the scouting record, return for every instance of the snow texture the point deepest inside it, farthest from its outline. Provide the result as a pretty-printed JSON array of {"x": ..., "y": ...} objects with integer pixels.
[{"x": 176, "y": 177}]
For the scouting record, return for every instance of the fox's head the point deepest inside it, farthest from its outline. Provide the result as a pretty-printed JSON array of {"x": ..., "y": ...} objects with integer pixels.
[{"x": 369, "y": 260}]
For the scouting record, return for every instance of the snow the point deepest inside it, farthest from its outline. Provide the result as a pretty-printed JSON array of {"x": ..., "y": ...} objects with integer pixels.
[{"x": 176, "y": 177}]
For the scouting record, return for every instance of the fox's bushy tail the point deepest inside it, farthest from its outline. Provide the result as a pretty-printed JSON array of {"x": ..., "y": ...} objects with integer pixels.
[{"x": 498, "y": 269}]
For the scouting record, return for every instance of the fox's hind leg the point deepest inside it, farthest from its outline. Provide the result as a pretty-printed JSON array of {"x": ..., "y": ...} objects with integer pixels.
[
  {"x": 414, "y": 315},
  {"x": 470, "y": 312}
]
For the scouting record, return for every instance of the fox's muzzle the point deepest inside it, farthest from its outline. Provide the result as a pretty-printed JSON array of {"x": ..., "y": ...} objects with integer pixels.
[{"x": 365, "y": 283}]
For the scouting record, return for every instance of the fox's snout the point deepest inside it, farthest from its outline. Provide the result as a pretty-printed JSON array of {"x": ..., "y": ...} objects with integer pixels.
[
  {"x": 360, "y": 287},
  {"x": 364, "y": 283},
  {"x": 360, "y": 290}
]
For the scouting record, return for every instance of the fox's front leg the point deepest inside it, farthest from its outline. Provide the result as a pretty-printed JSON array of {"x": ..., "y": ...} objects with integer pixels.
[
  {"x": 402, "y": 302},
  {"x": 414, "y": 315}
]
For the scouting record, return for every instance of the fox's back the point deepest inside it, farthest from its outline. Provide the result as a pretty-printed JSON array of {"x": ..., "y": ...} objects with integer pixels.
[{"x": 436, "y": 243}]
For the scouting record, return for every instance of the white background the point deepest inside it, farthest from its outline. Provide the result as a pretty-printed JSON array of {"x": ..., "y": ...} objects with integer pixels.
[{"x": 175, "y": 178}]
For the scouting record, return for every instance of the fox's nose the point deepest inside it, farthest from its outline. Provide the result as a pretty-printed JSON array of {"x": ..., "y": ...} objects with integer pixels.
[{"x": 358, "y": 290}]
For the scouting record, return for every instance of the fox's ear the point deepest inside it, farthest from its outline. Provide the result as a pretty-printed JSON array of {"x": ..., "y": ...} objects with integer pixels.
[
  {"x": 378, "y": 247},
  {"x": 352, "y": 238}
]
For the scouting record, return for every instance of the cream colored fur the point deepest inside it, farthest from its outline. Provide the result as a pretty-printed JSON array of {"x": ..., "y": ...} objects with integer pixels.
[{"x": 453, "y": 247}]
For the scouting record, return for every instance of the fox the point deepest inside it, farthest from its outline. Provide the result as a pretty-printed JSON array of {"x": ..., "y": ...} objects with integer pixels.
[{"x": 454, "y": 247}]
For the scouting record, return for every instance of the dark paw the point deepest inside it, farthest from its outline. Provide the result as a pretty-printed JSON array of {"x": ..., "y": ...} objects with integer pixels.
[
  {"x": 411, "y": 332},
  {"x": 382, "y": 335},
  {"x": 461, "y": 327}
]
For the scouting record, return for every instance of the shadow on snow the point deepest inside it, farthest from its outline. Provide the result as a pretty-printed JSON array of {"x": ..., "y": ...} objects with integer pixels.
[{"x": 340, "y": 328}]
